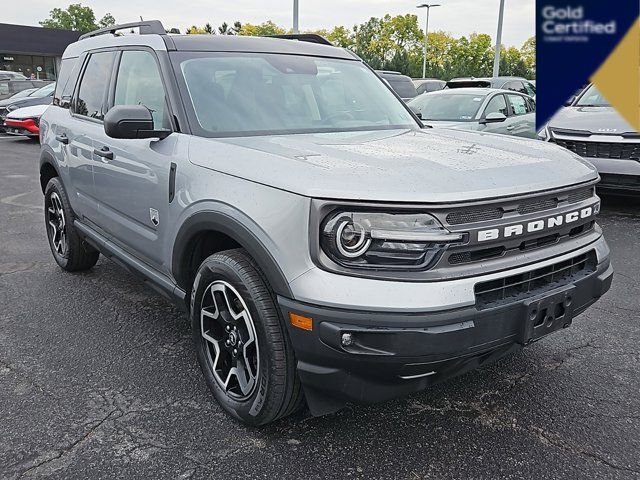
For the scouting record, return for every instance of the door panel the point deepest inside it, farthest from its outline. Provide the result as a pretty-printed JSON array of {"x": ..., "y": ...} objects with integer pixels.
[
  {"x": 87, "y": 110},
  {"x": 523, "y": 117},
  {"x": 132, "y": 183},
  {"x": 496, "y": 104}
]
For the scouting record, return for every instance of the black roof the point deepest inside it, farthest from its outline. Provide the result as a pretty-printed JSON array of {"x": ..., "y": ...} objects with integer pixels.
[
  {"x": 237, "y": 43},
  {"x": 35, "y": 40}
]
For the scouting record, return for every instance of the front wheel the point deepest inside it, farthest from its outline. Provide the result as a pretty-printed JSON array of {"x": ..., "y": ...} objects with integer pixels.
[{"x": 241, "y": 342}]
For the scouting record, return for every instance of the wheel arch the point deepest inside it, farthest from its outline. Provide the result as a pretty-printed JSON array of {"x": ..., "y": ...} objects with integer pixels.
[
  {"x": 228, "y": 230},
  {"x": 48, "y": 169}
]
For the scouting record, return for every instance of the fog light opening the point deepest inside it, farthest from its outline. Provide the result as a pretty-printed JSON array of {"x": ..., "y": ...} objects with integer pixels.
[{"x": 346, "y": 339}]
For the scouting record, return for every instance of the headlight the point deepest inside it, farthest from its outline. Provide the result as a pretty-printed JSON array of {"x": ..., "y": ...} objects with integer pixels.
[{"x": 376, "y": 240}]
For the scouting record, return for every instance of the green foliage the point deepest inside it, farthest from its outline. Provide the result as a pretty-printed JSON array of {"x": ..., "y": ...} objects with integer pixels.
[
  {"x": 76, "y": 17},
  {"x": 397, "y": 43},
  {"x": 262, "y": 30}
]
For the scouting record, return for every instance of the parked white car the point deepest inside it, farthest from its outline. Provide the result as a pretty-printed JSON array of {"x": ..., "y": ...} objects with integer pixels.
[
  {"x": 25, "y": 121},
  {"x": 485, "y": 110}
]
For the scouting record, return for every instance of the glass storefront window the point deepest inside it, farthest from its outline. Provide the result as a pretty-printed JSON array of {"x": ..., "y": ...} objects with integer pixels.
[{"x": 31, "y": 66}]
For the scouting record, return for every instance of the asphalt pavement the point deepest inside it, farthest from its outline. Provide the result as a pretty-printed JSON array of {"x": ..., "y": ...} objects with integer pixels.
[{"x": 98, "y": 379}]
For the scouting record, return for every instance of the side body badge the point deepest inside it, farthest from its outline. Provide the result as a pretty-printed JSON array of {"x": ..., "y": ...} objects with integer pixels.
[{"x": 155, "y": 216}]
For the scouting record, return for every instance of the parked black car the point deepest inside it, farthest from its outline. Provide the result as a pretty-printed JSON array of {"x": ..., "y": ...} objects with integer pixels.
[
  {"x": 424, "y": 85},
  {"x": 9, "y": 87},
  {"x": 400, "y": 83}
]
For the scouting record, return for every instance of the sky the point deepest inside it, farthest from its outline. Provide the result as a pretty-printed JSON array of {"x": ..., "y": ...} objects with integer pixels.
[{"x": 458, "y": 17}]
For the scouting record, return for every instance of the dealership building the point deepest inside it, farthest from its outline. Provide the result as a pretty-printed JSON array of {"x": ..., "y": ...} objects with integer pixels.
[{"x": 33, "y": 51}]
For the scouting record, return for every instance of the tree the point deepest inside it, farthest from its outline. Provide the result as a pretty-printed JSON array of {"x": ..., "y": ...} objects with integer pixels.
[
  {"x": 209, "y": 29},
  {"x": 264, "y": 29},
  {"x": 76, "y": 17},
  {"x": 225, "y": 29},
  {"x": 512, "y": 63},
  {"x": 528, "y": 51},
  {"x": 340, "y": 37},
  {"x": 194, "y": 30}
]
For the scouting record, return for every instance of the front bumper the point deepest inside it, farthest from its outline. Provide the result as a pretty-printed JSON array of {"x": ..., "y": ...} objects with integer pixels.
[
  {"x": 27, "y": 127},
  {"x": 394, "y": 354},
  {"x": 618, "y": 176}
]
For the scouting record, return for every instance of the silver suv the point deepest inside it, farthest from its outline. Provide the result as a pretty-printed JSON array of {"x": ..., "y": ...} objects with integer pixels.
[{"x": 327, "y": 247}]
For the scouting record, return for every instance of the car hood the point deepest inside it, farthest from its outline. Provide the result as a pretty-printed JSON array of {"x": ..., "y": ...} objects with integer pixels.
[
  {"x": 596, "y": 120},
  {"x": 28, "y": 112},
  {"x": 10, "y": 100},
  {"x": 428, "y": 165},
  {"x": 27, "y": 101}
]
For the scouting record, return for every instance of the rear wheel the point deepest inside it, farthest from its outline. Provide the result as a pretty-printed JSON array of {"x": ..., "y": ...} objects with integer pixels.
[
  {"x": 68, "y": 249},
  {"x": 241, "y": 343}
]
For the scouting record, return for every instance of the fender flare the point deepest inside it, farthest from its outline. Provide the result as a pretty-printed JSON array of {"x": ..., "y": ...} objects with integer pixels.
[
  {"x": 238, "y": 227},
  {"x": 47, "y": 157}
]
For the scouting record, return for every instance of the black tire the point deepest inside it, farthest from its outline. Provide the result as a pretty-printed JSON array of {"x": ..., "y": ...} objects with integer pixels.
[
  {"x": 76, "y": 255},
  {"x": 277, "y": 391}
]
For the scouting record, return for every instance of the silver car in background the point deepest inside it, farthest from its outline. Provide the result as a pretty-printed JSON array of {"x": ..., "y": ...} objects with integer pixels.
[
  {"x": 592, "y": 128},
  {"x": 478, "y": 109}
]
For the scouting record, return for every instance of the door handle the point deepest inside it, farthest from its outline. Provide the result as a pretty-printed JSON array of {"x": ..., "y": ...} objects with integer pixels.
[
  {"x": 62, "y": 138},
  {"x": 511, "y": 127},
  {"x": 104, "y": 152}
]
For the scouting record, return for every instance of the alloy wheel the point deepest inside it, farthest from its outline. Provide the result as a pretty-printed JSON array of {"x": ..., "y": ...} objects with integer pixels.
[
  {"x": 231, "y": 342},
  {"x": 57, "y": 224}
]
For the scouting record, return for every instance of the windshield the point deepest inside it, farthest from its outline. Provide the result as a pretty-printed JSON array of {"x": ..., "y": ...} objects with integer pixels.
[
  {"x": 238, "y": 94},
  {"x": 461, "y": 107},
  {"x": 24, "y": 93},
  {"x": 44, "y": 91},
  {"x": 592, "y": 98}
]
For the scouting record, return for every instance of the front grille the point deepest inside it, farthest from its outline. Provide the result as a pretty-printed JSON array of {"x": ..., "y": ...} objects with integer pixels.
[
  {"x": 459, "y": 257},
  {"x": 537, "y": 205},
  {"x": 523, "y": 207},
  {"x": 473, "y": 216},
  {"x": 619, "y": 151},
  {"x": 517, "y": 287},
  {"x": 580, "y": 195}
]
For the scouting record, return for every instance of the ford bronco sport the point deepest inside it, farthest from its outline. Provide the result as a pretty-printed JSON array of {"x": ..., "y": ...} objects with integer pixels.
[{"x": 327, "y": 246}]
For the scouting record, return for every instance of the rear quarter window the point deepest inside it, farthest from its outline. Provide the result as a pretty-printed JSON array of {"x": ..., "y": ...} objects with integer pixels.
[{"x": 67, "y": 79}]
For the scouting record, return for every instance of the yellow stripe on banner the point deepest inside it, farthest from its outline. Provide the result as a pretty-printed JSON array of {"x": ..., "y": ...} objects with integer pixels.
[{"x": 618, "y": 78}]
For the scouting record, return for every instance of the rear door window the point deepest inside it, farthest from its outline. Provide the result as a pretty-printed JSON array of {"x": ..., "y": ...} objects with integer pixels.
[
  {"x": 66, "y": 80},
  {"x": 530, "y": 89},
  {"x": 516, "y": 86},
  {"x": 519, "y": 105},
  {"x": 90, "y": 101}
]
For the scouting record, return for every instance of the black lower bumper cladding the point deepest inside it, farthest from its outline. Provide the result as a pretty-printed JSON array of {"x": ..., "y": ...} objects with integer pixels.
[{"x": 387, "y": 355}]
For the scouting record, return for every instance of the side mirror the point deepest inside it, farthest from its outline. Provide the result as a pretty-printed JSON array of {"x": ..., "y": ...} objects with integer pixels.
[
  {"x": 131, "y": 121},
  {"x": 415, "y": 111},
  {"x": 493, "y": 117}
]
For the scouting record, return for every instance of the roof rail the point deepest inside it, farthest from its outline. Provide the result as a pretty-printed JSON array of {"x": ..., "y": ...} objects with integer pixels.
[
  {"x": 305, "y": 37},
  {"x": 146, "y": 27}
]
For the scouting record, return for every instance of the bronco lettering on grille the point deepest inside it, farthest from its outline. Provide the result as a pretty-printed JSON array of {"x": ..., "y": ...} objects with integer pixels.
[{"x": 537, "y": 225}]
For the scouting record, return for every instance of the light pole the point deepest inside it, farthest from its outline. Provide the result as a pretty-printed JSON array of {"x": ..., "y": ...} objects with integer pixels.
[
  {"x": 295, "y": 17},
  {"x": 426, "y": 35},
  {"x": 496, "y": 60}
]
